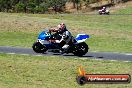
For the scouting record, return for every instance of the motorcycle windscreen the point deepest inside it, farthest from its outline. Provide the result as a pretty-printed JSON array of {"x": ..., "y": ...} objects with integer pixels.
[
  {"x": 43, "y": 35},
  {"x": 81, "y": 37}
]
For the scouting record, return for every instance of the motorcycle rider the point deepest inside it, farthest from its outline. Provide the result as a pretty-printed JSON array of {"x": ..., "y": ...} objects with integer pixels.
[
  {"x": 61, "y": 28},
  {"x": 66, "y": 37},
  {"x": 103, "y": 9}
]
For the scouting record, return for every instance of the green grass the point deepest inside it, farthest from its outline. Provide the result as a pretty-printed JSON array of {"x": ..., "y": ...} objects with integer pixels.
[
  {"x": 108, "y": 33},
  {"x": 19, "y": 71},
  {"x": 17, "y": 39},
  {"x": 127, "y": 10}
]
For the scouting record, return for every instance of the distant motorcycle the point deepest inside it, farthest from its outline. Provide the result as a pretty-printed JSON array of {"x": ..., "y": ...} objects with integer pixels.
[
  {"x": 101, "y": 12},
  {"x": 79, "y": 47}
]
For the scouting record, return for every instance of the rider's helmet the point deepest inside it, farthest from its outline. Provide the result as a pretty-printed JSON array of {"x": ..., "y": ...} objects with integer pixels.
[
  {"x": 61, "y": 26},
  {"x": 104, "y": 7}
]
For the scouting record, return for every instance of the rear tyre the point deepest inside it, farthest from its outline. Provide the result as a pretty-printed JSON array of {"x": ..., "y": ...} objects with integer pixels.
[
  {"x": 80, "y": 49},
  {"x": 39, "y": 48}
]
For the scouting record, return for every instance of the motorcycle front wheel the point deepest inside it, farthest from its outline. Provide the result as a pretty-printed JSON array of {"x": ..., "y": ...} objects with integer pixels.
[
  {"x": 39, "y": 48},
  {"x": 80, "y": 49}
]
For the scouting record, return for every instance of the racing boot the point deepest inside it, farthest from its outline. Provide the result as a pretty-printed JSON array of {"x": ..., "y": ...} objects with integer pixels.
[{"x": 65, "y": 49}]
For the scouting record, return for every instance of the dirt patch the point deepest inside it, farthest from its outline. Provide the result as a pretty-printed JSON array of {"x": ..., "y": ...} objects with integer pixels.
[
  {"x": 120, "y": 6},
  {"x": 12, "y": 24}
]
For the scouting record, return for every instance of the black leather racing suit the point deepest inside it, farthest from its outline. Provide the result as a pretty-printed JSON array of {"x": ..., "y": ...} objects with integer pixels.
[{"x": 65, "y": 39}]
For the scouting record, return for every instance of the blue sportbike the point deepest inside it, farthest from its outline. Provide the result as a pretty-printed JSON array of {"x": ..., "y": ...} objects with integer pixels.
[{"x": 78, "y": 47}]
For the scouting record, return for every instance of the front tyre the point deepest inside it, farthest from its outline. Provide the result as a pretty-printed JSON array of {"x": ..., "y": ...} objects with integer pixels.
[
  {"x": 108, "y": 13},
  {"x": 100, "y": 13},
  {"x": 80, "y": 49},
  {"x": 39, "y": 48}
]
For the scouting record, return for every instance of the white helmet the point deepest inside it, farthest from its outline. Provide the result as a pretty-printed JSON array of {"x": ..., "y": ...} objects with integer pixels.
[{"x": 104, "y": 7}]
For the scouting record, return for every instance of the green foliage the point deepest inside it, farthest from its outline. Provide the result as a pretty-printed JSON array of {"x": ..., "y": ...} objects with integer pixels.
[
  {"x": 20, "y": 6},
  {"x": 38, "y": 9},
  {"x": 35, "y": 6},
  {"x": 5, "y": 5},
  {"x": 44, "y": 6},
  {"x": 57, "y": 4},
  {"x": 77, "y": 1},
  {"x": 31, "y": 7},
  {"x": 87, "y": 2}
]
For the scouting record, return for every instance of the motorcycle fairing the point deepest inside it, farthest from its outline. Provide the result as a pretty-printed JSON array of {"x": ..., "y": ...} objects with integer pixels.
[
  {"x": 48, "y": 44},
  {"x": 41, "y": 38},
  {"x": 43, "y": 35},
  {"x": 81, "y": 37}
]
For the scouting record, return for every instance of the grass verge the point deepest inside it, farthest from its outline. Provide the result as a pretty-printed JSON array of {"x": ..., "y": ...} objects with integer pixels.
[
  {"x": 127, "y": 10},
  {"x": 18, "y": 71}
]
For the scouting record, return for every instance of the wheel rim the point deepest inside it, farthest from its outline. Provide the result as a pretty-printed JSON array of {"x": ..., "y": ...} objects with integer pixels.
[
  {"x": 80, "y": 50},
  {"x": 36, "y": 47},
  {"x": 40, "y": 48}
]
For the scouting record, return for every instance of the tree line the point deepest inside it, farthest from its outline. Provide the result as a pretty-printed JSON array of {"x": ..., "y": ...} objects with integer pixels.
[
  {"x": 30, "y": 6},
  {"x": 38, "y": 6}
]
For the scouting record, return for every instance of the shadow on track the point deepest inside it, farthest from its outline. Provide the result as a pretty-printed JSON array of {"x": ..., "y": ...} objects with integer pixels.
[{"x": 87, "y": 56}]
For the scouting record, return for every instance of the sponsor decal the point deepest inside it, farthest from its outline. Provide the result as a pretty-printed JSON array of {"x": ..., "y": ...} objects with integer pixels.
[{"x": 84, "y": 78}]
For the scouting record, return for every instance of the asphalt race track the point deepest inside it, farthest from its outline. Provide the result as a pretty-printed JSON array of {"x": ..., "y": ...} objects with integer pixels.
[{"x": 94, "y": 55}]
